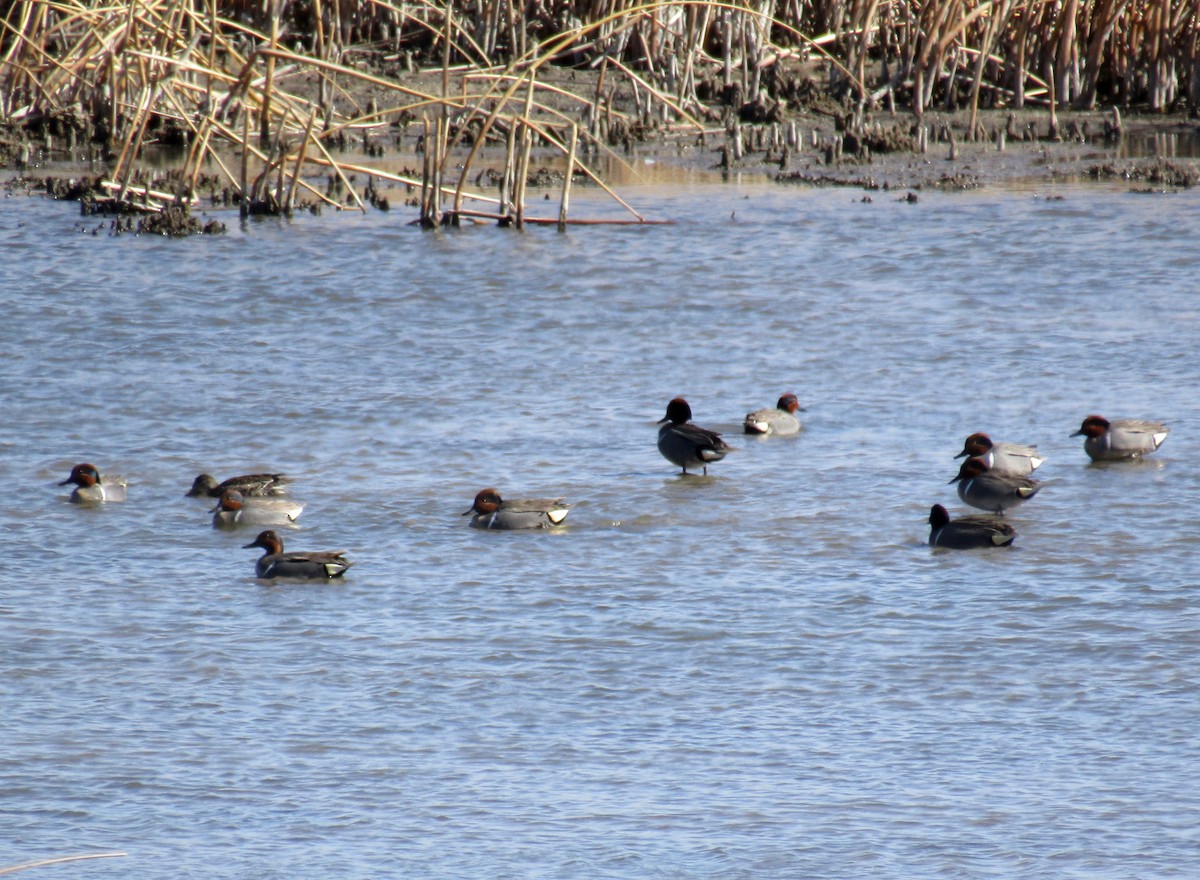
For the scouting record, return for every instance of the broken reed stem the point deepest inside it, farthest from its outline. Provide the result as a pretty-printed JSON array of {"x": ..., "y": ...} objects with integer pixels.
[
  {"x": 594, "y": 129},
  {"x": 522, "y": 176},
  {"x": 339, "y": 167},
  {"x": 198, "y": 149},
  {"x": 426, "y": 183},
  {"x": 508, "y": 178},
  {"x": 244, "y": 205},
  {"x": 435, "y": 165},
  {"x": 58, "y": 860},
  {"x": 122, "y": 171},
  {"x": 212, "y": 51},
  {"x": 202, "y": 135},
  {"x": 526, "y": 147},
  {"x": 550, "y": 221},
  {"x": 290, "y": 204},
  {"x": 446, "y": 57},
  {"x": 264, "y": 135},
  {"x": 276, "y": 159},
  {"x": 591, "y": 175},
  {"x": 231, "y": 135},
  {"x": 566, "y": 193}
]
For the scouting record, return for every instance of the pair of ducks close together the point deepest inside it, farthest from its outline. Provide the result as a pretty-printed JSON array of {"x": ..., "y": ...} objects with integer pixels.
[{"x": 996, "y": 477}]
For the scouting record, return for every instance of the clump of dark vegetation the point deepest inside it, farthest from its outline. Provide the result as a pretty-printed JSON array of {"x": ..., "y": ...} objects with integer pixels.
[
  {"x": 1156, "y": 172},
  {"x": 177, "y": 222}
]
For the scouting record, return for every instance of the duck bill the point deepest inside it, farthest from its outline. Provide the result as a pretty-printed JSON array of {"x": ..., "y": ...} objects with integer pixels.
[
  {"x": 252, "y": 544},
  {"x": 1078, "y": 434},
  {"x": 962, "y": 454},
  {"x": 468, "y": 512},
  {"x": 955, "y": 480}
]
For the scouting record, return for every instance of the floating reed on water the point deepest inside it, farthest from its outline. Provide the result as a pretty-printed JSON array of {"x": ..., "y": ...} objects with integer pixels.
[
  {"x": 58, "y": 860},
  {"x": 281, "y": 81}
]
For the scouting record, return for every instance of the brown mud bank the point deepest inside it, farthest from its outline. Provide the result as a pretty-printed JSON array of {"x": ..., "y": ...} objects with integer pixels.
[
  {"x": 884, "y": 152},
  {"x": 809, "y": 139},
  {"x": 454, "y": 108}
]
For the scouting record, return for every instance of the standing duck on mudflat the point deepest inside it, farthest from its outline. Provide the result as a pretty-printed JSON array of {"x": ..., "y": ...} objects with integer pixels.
[
  {"x": 1003, "y": 458},
  {"x": 780, "y": 419},
  {"x": 91, "y": 488},
  {"x": 1120, "y": 439},
  {"x": 989, "y": 490},
  {"x": 685, "y": 444},
  {"x": 274, "y": 562}
]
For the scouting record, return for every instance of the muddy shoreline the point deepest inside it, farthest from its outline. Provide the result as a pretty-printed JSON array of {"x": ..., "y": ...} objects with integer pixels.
[
  {"x": 1147, "y": 147},
  {"x": 815, "y": 143}
]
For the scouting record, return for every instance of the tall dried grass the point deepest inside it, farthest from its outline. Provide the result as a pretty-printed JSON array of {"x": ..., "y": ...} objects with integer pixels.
[{"x": 277, "y": 79}]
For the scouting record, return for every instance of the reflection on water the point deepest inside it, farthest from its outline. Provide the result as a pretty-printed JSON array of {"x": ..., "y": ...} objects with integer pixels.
[
  {"x": 761, "y": 673},
  {"x": 1182, "y": 144}
]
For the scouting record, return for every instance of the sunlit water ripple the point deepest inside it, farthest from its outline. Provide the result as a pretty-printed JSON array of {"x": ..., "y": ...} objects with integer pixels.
[{"x": 761, "y": 673}]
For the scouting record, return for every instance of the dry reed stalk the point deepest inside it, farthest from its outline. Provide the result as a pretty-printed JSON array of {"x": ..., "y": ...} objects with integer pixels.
[
  {"x": 550, "y": 88},
  {"x": 58, "y": 860},
  {"x": 590, "y": 174},
  {"x": 201, "y": 146},
  {"x": 290, "y": 204},
  {"x": 560, "y": 42},
  {"x": 995, "y": 23},
  {"x": 426, "y": 171},
  {"x": 1052, "y": 82},
  {"x": 526, "y": 144},
  {"x": 1103, "y": 20},
  {"x": 265, "y": 106},
  {"x": 570, "y": 173},
  {"x": 276, "y": 160},
  {"x": 337, "y": 43},
  {"x": 387, "y": 175},
  {"x": 668, "y": 100},
  {"x": 436, "y": 164},
  {"x": 133, "y": 143},
  {"x": 594, "y": 128},
  {"x": 146, "y": 193},
  {"x": 446, "y": 38},
  {"x": 508, "y": 177},
  {"x": 212, "y": 49},
  {"x": 1066, "y": 61},
  {"x": 551, "y": 221},
  {"x": 857, "y": 59},
  {"x": 231, "y": 135},
  {"x": 331, "y": 67},
  {"x": 138, "y": 52},
  {"x": 244, "y": 202}
]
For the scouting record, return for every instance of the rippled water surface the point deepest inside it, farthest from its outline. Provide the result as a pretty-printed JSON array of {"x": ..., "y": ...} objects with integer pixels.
[{"x": 763, "y": 673}]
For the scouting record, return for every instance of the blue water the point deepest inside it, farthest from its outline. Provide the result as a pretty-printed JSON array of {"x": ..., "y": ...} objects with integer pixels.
[{"x": 761, "y": 673}]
